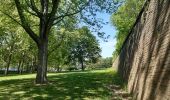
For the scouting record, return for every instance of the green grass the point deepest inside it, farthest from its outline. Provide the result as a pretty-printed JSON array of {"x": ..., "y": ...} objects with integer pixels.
[{"x": 86, "y": 85}]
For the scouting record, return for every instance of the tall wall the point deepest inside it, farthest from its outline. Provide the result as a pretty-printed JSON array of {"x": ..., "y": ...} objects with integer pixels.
[{"x": 144, "y": 61}]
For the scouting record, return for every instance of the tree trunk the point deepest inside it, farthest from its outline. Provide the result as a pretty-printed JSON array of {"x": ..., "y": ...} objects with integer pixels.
[
  {"x": 8, "y": 64},
  {"x": 19, "y": 65},
  {"x": 34, "y": 64},
  {"x": 22, "y": 63},
  {"x": 82, "y": 65},
  {"x": 41, "y": 77},
  {"x": 9, "y": 58},
  {"x": 28, "y": 67},
  {"x": 58, "y": 68}
]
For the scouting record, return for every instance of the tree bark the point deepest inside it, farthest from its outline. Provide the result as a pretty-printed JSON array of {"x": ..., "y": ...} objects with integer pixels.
[
  {"x": 19, "y": 65},
  {"x": 41, "y": 77},
  {"x": 22, "y": 63},
  {"x": 34, "y": 64},
  {"x": 82, "y": 64},
  {"x": 8, "y": 64},
  {"x": 58, "y": 68},
  {"x": 9, "y": 58}
]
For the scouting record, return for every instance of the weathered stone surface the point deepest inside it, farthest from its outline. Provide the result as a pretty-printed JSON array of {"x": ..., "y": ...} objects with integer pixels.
[{"x": 144, "y": 61}]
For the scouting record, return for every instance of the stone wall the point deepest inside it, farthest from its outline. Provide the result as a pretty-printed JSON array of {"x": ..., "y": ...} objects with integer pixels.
[{"x": 144, "y": 61}]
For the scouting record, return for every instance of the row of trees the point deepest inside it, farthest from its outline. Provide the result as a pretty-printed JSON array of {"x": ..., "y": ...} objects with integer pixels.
[
  {"x": 39, "y": 18},
  {"x": 66, "y": 49}
]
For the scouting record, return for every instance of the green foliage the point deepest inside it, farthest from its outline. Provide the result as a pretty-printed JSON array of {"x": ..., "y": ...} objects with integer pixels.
[
  {"x": 85, "y": 47},
  {"x": 69, "y": 47},
  {"x": 123, "y": 20},
  {"x": 38, "y": 20},
  {"x": 12, "y": 43},
  {"x": 63, "y": 86},
  {"x": 101, "y": 63}
]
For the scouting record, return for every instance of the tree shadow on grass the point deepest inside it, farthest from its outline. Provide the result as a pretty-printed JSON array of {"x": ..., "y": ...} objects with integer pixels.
[{"x": 71, "y": 86}]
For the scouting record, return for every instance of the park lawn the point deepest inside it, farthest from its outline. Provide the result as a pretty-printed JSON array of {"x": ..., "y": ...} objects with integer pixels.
[{"x": 86, "y": 85}]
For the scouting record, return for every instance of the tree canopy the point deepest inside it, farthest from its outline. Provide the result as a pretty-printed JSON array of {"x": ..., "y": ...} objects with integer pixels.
[
  {"x": 123, "y": 20},
  {"x": 41, "y": 18}
]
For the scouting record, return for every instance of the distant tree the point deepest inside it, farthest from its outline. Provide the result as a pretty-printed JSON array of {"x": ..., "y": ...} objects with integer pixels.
[
  {"x": 85, "y": 47},
  {"x": 76, "y": 46},
  {"x": 10, "y": 40},
  {"x": 101, "y": 63},
  {"x": 59, "y": 45}
]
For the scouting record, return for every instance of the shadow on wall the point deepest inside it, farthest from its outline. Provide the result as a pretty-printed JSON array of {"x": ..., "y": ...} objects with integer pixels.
[
  {"x": 144, "y": 61},
  {"x": 129, "y": 48},
  {"x": 162, "y": 67}
]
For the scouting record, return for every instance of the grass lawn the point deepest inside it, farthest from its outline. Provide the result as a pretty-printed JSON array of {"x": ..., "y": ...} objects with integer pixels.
[{"x": 86, "y": 85}]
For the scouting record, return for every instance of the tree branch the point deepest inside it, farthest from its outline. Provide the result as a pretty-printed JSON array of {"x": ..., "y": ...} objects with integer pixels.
[
  {"x": 34, "y": 8},
  {"x": 70, "y": 14},
  {"x": 24, "y": 24},
  {"x": 44, "y": 5},
  {"x": 54, "y": 23},
  {"x": 11, "y": 17},
  {"x": 53, "y": 11},
  {"x": 32, "y": 13}
]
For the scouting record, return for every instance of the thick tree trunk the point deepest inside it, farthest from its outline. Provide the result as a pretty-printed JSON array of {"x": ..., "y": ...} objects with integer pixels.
[{"x": 41, "y": 77}]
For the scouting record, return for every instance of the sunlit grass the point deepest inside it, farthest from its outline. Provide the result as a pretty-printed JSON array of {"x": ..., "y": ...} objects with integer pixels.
[{"x": 86, "y": 85}]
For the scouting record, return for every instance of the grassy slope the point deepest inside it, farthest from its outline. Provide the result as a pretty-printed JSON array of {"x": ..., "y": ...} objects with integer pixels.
[{"x": 63, "y": 86}]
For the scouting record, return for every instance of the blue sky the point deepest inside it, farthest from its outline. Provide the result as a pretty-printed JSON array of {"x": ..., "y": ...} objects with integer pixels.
[{"x": 107, "y": 47}]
